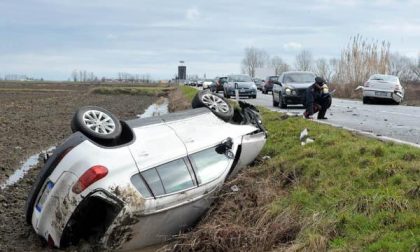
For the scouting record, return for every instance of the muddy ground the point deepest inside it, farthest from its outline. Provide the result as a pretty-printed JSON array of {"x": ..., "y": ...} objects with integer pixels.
[{"x": 33, "y": 118}]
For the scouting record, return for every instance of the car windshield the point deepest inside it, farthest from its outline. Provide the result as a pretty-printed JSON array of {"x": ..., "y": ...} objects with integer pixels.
[
  {"x": 223, "y": 79},
  {"x": 240, "y": 78},
  {"x": 274, "y": 78},
  {"x": 382, "y": 77},
  {"x": 299, "y": 78}
]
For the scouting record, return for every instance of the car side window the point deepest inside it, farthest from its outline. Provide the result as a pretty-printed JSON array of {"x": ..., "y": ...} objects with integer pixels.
[
  {"x": 175, "y": 176},
  {"x": 152, "y": 178},
  {"x": 138, "y": 182},
  {"x": 209, "y": 164}
]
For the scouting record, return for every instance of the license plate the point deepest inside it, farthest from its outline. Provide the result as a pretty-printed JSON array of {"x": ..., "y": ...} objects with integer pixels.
[
  {"x": 242, "y": 90},
  {"x": 384, "y": 94},
  {"x": 48, "y": 187}
]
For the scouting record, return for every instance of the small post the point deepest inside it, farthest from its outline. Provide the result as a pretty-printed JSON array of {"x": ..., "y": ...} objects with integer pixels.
[{"x": 236, "y": 92}]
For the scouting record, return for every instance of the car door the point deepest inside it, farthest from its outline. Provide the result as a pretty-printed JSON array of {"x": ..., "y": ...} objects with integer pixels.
[{"x": 277, "y": 89}]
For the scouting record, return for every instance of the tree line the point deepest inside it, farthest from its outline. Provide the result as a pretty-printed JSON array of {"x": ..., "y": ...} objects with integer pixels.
[
  {"x": 358, "y": 60},
  {"x": 86, "y": 76}
]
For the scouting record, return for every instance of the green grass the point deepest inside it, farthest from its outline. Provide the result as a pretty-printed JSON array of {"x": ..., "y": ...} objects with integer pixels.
[
  {"x": 189, "y": 92},
  {"x": 132, "y": 90},
  {"x": 350, "y": 193},
  {"x": 358, "y": 193}
]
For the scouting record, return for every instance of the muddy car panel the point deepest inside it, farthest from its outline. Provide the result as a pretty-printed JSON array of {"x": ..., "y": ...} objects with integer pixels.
[
  {"x": 160, "y": 219},
  {"x": 118, "y": 161}
]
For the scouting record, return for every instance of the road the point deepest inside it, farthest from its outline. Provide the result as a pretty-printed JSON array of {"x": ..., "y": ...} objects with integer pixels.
[{"x": 394, "y": 121}]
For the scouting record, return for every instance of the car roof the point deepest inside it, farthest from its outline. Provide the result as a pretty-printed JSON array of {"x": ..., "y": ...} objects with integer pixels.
[
  {"x": 172, "y": 136},
  {"x": 294, "y": 72}
]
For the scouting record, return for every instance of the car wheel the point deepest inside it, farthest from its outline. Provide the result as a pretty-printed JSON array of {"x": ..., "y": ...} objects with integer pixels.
[
  {"x": 255, "y": 96},
  {"x": 217, "y": 104},
  {"x": 275, "y": 103},
  {"x": 365, "y": 100},
  {"x": 281, "y": 102},
  {"x": 97, "y": 123}
]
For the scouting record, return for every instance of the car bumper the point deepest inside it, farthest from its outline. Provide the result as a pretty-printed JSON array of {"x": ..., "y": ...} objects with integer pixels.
[
  {"x": 50, "y": 220},
  {"x": 293, "y": 99},
  {"x": 244, "y": 92},
  {"x": 382, "y": 94}
]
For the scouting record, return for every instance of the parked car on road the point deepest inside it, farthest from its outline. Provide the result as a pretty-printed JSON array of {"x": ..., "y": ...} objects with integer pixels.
[
  {"x": 243, "y": 83},
  {"x": 383, "y": 87},
  {"x": 218, "y": 84},
  {"x": 291, "y": 87},
  {"x": 129, "y": 184},
  {"x": 207, "y": 83},
  {"x": 268, "y": 84},
  {"x": 259, "y": 83}
]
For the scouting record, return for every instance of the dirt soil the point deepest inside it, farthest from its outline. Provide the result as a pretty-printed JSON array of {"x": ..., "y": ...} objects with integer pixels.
[{"x": 33, "y": 118}]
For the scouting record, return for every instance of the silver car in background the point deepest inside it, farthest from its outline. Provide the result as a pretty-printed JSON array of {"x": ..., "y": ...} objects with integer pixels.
[
  {"x": 245, "y": 85},
  {"x": 383, "y": 87}
]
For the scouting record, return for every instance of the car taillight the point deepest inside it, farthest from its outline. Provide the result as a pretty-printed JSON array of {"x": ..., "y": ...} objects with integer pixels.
[
  {"x": 90, "y": 176},
  {"x": 366, "y": 84}
]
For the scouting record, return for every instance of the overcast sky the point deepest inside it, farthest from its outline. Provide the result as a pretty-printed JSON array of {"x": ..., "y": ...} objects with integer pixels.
[{"x": 50, "y": 38}]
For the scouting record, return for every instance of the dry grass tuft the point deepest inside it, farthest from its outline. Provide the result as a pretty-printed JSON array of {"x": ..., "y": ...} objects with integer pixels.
[
  {"x": 177, "y": 101},
  {"x": 243, "y": 219}
]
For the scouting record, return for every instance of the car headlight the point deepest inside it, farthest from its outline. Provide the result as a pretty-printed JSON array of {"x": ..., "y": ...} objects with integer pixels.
[
  {"x": 288, "y": 91},
  {"x": 254, "y": 86}
]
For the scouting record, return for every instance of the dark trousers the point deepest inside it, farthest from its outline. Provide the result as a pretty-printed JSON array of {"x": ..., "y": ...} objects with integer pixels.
[{"x": 324, "y": 103}]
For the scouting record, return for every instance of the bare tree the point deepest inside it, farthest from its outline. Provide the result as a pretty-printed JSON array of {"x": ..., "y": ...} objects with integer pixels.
[
  {"x": 304, "y": 61},
  {"x": 254, "y": 58},
  {"x": 324, "y": 69},
  {"x": 279, "y": 65},
  {"x": 362, "y": 58},
  {"x": 74, "y": 75}
]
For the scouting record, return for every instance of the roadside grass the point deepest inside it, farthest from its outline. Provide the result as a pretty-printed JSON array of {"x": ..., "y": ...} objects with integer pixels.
[
  {"x": 343, "y": 192},
  {"x": 132, "y": 90},
  {"x": 188, "y": 92},
  {"x": 180, "y": 98},
  {"x": 351, "y": 192}
]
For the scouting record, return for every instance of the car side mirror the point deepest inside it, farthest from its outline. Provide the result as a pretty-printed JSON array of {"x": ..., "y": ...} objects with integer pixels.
[{"x": 226, "y": 148}]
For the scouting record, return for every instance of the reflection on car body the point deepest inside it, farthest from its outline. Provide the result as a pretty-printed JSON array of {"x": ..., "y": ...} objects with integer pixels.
[{"x": 148, "y": 183}]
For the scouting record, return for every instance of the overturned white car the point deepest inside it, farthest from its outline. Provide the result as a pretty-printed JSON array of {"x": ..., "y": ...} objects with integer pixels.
[{"x": 131, "y": 184}]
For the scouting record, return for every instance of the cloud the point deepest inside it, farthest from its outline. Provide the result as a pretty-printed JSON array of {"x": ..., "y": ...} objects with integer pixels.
[
  {"x": 192, "y": 14},
  {"x": 292, "y": 46}
]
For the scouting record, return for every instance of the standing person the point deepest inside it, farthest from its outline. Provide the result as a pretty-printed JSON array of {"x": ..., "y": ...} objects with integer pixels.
[{"x": 315, "y": 100}]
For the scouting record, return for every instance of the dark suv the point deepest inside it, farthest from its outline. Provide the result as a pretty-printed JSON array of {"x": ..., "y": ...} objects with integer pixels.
[
  {"x": 218, "y": 84},
  {"x": 268, "y": 84},
  {"x": 291, "y": 87}
]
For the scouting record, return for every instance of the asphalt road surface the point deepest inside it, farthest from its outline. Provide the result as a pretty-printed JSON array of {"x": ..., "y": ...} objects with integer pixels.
[{"x": 394, "y": 121}]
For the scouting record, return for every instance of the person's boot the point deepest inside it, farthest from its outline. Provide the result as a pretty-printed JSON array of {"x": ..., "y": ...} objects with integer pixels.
[{"x": 321, "y": 114}]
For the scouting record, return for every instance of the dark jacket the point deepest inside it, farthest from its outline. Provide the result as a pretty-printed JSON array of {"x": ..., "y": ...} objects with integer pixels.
[{"x": 312, "y": 95}]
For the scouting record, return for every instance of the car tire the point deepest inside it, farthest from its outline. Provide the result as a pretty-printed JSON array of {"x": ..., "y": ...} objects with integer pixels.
[
  {"x": 96, "y": 123},
  {"x": 216, "y": 103},
  {"x": 254, "y": 97},
  {"x": 275, "y": 103},
  {"x": 283, "y": 105},
  {"x": 365, "y": 100}
]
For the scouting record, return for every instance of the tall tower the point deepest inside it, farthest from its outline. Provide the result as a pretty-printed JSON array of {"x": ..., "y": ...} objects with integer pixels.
[{"x": 182, "y": 71}]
